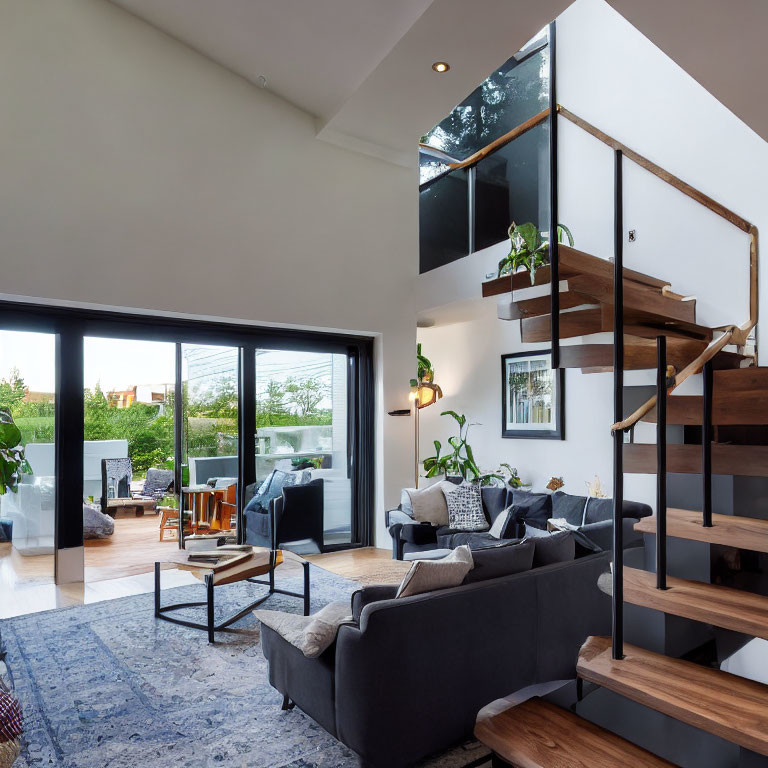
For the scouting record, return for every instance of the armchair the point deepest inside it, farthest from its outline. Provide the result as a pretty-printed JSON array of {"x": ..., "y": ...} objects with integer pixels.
[{"x": 293, "y": 520}]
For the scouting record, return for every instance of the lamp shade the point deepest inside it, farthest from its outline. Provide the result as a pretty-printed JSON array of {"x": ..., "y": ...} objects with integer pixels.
[{"x": 427, "y": 394}]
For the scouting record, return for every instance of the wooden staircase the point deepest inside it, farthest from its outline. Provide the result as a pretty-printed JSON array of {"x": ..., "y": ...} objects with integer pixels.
[
  {"x": 730, "y": 707},
  {"x": 586, "y": 304}
]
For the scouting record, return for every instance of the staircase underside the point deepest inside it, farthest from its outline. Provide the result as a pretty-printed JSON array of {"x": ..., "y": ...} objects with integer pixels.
[
  {"x": 725, "y": 705},
  {"x": 537, "y": 734},
  {"x": 727, "y": 459}
]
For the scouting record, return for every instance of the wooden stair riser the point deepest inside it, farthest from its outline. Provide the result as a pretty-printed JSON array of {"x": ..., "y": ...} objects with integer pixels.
[
  {"x": 744, "y": 460},
  {"x": 731, "y": 707},
  {"x": 726, "y": 530},
  {"x": 723, "y": 607}
]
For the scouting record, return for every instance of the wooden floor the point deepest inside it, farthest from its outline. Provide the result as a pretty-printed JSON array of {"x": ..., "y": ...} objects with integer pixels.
[{"x": 123, "y": 563}]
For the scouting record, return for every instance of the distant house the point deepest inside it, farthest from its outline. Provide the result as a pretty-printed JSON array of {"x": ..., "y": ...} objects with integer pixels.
[{"x": 140, "y": 393}]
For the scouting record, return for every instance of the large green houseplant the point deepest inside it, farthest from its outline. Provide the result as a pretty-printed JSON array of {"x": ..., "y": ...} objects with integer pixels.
[
  {"x": 528, "y": 250},
  {"x": 459, "y": 461},
  {"x": 13, "y": 464}
]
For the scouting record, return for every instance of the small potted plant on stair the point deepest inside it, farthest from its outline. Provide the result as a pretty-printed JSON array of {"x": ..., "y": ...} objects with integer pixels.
[{"x": 528, "y": 250}]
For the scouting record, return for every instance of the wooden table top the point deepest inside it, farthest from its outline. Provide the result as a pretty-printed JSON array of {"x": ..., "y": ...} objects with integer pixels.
[{"x": 242, "y": 565}]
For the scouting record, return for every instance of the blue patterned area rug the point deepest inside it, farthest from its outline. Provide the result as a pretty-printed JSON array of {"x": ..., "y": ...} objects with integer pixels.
[{"x": 106, "y": 685}]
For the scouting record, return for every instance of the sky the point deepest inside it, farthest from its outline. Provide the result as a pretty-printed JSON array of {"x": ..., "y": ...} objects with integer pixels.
[{"x": 121, "y": 363}]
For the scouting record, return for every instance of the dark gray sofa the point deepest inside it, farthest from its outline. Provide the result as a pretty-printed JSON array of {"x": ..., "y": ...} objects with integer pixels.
[
  {"x": 593, "y": 518},
  {"x": 408, "y": 676}
]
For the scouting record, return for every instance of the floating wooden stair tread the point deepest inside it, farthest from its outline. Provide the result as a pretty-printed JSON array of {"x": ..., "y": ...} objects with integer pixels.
[
  {"x": 727, "y": 459},
  {"x": 537, "y": 734},
  {"x": 508, "y": 283},
  {"x": 731, "y": 707},
  {"x": 728, "y": 530},
  {"x": 722, "y": 606},
  {"x": 640, "y": 354},
  {"x": 739, "y": 397}
]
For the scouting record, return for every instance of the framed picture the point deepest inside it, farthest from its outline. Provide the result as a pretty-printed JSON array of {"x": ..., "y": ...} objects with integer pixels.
[{"x": 532, "y": 396}]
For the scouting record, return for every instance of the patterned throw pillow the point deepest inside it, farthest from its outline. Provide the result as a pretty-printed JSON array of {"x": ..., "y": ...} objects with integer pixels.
[{"x": 465, "y": 508}]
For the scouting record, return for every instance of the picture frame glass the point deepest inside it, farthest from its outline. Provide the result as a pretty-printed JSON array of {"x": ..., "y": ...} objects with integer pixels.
[{"x": 531, "y": 399}]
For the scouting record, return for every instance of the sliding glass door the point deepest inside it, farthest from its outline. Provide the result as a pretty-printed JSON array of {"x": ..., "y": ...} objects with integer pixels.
[
  {"x": 302, "y": 426},
  {"x": 209, "y": 449},
  {"x": 27, "y": 509}
]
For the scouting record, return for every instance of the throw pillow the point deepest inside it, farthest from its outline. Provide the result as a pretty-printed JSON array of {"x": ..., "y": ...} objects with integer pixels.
[
  {"x": 428, "y": 575},
  {"x": 429, "y": 504},
  {"x": 551, "y": 548},
  {"x": 465, "y": 508},
  {"x": 568, "y": 507},
  {"x": 503, "y": 523},
  {"x": 532, "y": 508},
  {"x": 495, "y": 562},
  {"x": 272, "y": 488},
  {"x": 310, "y": 634}
]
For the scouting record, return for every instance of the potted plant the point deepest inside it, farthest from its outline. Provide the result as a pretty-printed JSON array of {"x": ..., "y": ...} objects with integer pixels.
[
  {"x": 460, "y": 461},
  {"x": 13, "y": 464},
  {"x": 529, "y": 251}
]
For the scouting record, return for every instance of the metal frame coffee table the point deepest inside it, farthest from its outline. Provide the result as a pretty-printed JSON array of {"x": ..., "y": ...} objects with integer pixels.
[{"x": 215, "y": 575}]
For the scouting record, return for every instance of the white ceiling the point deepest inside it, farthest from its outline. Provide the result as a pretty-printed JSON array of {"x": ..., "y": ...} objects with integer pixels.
[
  {"x": 313, "y": 53},
  {"x": 363, "y": 67}
]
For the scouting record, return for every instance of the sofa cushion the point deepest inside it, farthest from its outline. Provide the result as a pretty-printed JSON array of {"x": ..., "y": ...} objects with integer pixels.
[
  {"x": 505, "y": 525},
  {"x": 495, "y": 501},
  {"x": 272, "y": 488},
  {"x": 465, "y": 508},
  {"x": 429, "y": 505},
  {"x": 495, "y": 562},
  {"x": 598, "y": 510},
  {"x": 551, "y": 548},
  {"x": 450, "y": 539},
  {"x": 532, "y": 508},
  {"x": 428, "y": 575},
  {"x": 567, "y": 507}
]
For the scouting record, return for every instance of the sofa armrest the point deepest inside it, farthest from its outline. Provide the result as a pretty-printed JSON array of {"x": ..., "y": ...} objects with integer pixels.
[
  {"x": 371, "y": 594},
  {"x": 393, "y": 516}
]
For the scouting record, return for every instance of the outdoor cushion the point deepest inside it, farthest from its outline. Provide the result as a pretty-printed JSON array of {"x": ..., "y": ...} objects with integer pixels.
[
  {"x": 157, "y": 482},
  {"x": 272, "y": 488},
  {"x": 495, "y": 562},
  {"x": 96, "y": 525}
]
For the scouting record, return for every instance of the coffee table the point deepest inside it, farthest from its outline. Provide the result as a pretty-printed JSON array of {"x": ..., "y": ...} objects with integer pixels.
[{"x": 245, "y": 566}]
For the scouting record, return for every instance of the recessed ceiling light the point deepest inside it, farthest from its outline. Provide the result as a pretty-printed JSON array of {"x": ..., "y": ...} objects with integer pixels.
[{"x": 441, "y": 66}]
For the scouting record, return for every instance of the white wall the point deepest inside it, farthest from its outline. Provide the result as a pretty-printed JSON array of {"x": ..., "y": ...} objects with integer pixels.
[
  {"x": 138, "y": 174},
  {"x": 616, "y": 79}
]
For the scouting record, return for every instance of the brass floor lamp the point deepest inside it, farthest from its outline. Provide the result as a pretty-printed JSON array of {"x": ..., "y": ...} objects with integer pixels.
[{"x": 423, "y": 394}]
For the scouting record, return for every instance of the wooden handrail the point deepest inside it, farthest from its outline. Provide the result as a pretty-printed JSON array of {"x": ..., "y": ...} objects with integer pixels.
[{"x": 692, "y": 368}]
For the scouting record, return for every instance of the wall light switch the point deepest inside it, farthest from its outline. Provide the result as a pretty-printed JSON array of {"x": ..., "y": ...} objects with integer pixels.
[{"x": 632, "y": 235}]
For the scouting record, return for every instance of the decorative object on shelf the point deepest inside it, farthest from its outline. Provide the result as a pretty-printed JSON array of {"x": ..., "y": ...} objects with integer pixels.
[
  {"x": 532, "y": 396},
  {"x": 555, "y": 484},
  {"x": 528, "y": 250},
  {"x": 13, "y": 464},
  {"x": 424, "y": 392},
  {"x": 595, "y": 489},
  {"x": 460, "y": 462}
]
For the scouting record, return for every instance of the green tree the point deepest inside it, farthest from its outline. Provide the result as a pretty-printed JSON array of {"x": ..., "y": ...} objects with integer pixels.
[
  {"x": 305, "y": 394},
  {"x": 12, "y": 390}
]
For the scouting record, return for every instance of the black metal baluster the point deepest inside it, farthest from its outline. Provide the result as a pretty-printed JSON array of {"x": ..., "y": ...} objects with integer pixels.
[
  {"x": 706, "y": 446},
  {"x": 554, "y": 272},
  {"x": 618, "y": 412},
  {"x": 661, "y": 462}
]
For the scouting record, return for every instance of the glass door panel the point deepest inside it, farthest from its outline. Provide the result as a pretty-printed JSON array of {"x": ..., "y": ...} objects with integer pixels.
[
  {"x": 127, "y": 455},
  {"x": 210, "y": 461},
  {"x": 302, "y": 428},
  {"x": 27, "y": 515}
]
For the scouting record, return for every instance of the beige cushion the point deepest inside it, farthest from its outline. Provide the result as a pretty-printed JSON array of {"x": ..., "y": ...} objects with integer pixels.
[
  {"x": 310, "y": 634},
  {"x": 429, "y": 504},
  {"x": 428, "y": 575}
]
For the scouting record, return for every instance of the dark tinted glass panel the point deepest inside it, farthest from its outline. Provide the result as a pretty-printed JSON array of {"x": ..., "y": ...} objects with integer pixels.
[
  {"x": 443, "y": 221},
  {"x": 512, "y": 184},
  {"x": 516, "y": 91}
]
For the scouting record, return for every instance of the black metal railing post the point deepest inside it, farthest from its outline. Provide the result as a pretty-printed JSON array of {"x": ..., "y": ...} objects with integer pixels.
[
  {"x": 706, "y": 446},
  {"x": 554, "y": 272},
  {"x": 661, "y": 462},
  {"x": 618, "y": 411}
]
